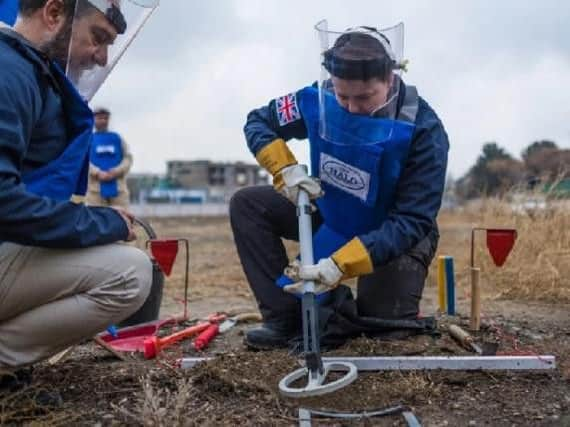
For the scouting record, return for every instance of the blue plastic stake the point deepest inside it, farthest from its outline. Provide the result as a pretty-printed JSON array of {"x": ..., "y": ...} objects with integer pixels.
[{"x": 450, "y": 284}]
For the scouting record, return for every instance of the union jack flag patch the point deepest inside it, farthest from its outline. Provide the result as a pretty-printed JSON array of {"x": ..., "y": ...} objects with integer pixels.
[{"x": 287, "y": 109}]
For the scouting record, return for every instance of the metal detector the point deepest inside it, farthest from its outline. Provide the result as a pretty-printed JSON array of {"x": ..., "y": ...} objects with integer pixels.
[{"x": 315, "y": 370}]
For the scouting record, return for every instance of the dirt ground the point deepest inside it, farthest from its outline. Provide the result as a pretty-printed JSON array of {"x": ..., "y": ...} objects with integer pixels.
[{"x": 240, "y": 386}]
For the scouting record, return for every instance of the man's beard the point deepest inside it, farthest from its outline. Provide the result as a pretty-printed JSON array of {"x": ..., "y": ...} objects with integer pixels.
[{"x": 58, "y": 49}]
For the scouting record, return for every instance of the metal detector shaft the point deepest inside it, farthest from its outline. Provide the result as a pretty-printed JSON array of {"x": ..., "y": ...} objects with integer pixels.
[
  {"x": 311, "y": 345},
  {"x": 146, "y": 227}
]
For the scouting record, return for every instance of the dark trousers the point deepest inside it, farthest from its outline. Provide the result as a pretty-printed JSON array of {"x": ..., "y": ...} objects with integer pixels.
[{"x": 260, "y": 217}]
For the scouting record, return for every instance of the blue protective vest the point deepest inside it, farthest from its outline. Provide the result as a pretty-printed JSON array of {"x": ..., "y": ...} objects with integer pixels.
[
  {"x": 66, "y": 175},
  {"x": 8, "y": 11},
  {"x": 107, "y": 153},
  {"x": 359, "y": 176}
]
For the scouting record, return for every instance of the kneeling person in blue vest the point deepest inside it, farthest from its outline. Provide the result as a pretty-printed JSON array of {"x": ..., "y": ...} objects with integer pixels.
[
  {"x": 110, "y": 162},
  {"x": 63, "y": 277},
  {"x": 378, "y": 161}
]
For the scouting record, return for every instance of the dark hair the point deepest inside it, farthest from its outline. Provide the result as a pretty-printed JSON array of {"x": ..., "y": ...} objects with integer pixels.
[
  {"x": 359, "y": 56},
  {"x": 28, "y": 7},
  {"x": 113, "y": 13}
]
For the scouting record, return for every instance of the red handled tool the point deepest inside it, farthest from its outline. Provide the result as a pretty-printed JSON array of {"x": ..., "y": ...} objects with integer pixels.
[
  {"x": 209, "y": 334},
  {"x": 202, "y": 340},
  {"x": 154, "y": 345}
]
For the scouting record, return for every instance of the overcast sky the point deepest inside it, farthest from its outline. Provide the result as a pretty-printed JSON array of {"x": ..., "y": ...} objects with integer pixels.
[{"x": 493, "y": 71}]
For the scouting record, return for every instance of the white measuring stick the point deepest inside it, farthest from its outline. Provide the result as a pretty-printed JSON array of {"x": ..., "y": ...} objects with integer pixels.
[
  {"x": 446, "y": 363},
  {"x": 453, "y": 363}
]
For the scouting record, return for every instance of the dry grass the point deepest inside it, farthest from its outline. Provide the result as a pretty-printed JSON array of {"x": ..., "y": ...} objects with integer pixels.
[
  {"x": 538, "y": 267},
  {"x": 215, "y": 269},
  {"x": 160, "y": 406},
  {"x": 21, "y": 408}
]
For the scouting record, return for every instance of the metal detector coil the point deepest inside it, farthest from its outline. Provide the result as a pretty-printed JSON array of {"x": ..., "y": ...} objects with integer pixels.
[{"x": 315, "y": 385}]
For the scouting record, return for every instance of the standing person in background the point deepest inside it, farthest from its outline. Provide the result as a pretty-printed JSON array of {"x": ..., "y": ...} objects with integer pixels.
[{"x": 110, "y": 162}]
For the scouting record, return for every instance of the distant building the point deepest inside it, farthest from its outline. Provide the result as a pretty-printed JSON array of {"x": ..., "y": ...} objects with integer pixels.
[
  {"x": 194, "y": 182},
  {"x": 220, "y": 180},
  {"x": 141, "y": 183}
]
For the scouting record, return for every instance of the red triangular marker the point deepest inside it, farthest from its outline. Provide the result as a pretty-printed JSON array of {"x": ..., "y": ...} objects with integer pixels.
[
  {"x": 164, "y": 252},
  {"x": 500, "y": 242}
]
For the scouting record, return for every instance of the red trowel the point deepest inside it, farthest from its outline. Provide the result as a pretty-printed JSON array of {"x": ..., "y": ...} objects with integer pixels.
[{"x": 132, "y": 338}]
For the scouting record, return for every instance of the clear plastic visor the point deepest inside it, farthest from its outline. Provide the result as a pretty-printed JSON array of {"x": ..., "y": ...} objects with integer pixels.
[
  {"x": 360, "y": 75},
  {"x": 101, "y": 31}
]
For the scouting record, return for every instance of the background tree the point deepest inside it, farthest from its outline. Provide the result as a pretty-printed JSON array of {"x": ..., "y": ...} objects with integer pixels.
[
  {"x": 537, "y": 146},
  {"x": 496, "y": 171},
  {"x": 546, "y": 162},
  {"x": 486, "y": 176}
]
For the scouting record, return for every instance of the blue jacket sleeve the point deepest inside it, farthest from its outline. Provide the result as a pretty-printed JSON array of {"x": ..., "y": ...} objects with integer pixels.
[
  {"x": 418, "y": 194},
  {"x": 263, "y": 124},
  {"x": 24, "y": 217}
]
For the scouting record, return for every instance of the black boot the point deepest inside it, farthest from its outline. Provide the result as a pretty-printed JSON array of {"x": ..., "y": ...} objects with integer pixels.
[
  {"x": 272, "y": 335},
  {"x": 14, "y": 381}
]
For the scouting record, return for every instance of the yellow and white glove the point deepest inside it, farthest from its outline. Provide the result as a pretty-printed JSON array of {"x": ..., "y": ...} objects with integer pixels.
[
  {"x": 351, "y": 260},
  {"x": 288, "y": 176},
  {"x": 290, "y": 179},
  {"x": 325, "y": 274}
]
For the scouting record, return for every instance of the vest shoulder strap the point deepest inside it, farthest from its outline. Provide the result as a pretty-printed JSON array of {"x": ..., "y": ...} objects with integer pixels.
[{"x": 409, "y": 109}]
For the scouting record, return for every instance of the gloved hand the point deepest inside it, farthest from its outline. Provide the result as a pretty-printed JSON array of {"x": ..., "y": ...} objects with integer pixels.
[
  {"x": 351, "y": 260},
  {"x": 290, "y": 179},
  {"x": 288, "y": 176},
  {"x": 325, "y": 274}
]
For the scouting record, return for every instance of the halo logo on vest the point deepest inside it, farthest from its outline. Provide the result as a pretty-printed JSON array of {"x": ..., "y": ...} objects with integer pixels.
[
  {"x": 112, "y": 24},
  {"x": 344, "y": 177}
]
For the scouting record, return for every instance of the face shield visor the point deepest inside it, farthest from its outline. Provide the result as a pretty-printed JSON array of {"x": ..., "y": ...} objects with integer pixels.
[
  {"x": 101, "y": 31},
  {"x": 360, "y": 75}
]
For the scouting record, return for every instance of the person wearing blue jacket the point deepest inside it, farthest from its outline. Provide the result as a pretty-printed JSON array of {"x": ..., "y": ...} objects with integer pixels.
[
  {"x": 109, "y": 163},
  {"x": 63, "y": 276},
  {"x": 378, "y": 162}
]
